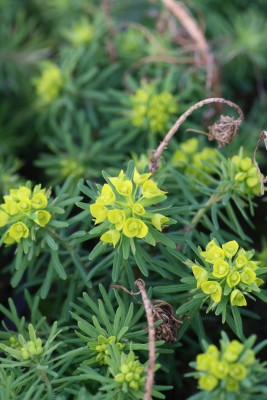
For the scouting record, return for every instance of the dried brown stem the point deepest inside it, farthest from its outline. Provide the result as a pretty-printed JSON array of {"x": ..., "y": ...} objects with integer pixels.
[
  {"x": 140, "y": 284},
  {"x": 106, "y": 6},
  {"x": 196, "y": 34},
  {"x": 222, "y": 131},
  {"x": 263, "y": 135}
]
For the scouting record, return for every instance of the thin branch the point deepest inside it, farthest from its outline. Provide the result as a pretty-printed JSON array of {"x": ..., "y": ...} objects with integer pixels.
[
  {"x": 106, "y": 7},
  {"x": 223, "y": 131},
  {"x": 151, "y": 339},
  {"x": 196, "y": 34},
  {"x": 140, "y": 284}
]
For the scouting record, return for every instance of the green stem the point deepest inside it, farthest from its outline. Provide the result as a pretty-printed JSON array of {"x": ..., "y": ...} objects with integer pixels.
[
  {"x": 47, "y": 383},
  {"x": 214, "y": 198}
]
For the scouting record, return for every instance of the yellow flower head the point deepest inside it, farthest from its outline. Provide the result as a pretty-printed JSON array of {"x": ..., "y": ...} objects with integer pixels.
[
  {"x": 204, "y": 362},
  {"x": 138, "y": 209},
  {"x": 220, "y": 268},
  {"x": 124, "y": 187},
  {"x": 150, "y": 189},
  {"x": 208, "y": 382},
  {"x": 200, "y": 274},
  {"x": 122, "y": 205},
  {"x": 10, "y": 206},
  {"x": 213, "y": 254},
  {"x": 233, "y": 279},
  {"x": 248, "y": 276},
  {"x": 39, "y": 200},
  {"x": 233, "y": 351},
  {"x": 18, "y": 231},
  {"x": 31, "y": 349},
  {"x": 135, "y": 228},
  {"x": 49, "y": 84},
  {"x": 80, "y": 33},
  {"x": 24, "y": 206},
  {"x": 112, "y": 237},
  {"x": 237, "y": 298},
  {"x": 99, "y": 212},
  {"x": 20, "y": 193},
  {"x": 230, "y": 248},
  {"x": 116, "y": 217},
  {"x": 220, "y": 369},
  {"x": 237, "y": 371},
  {"x": 42, "y": 217},
  {"x": 140, "y": 179},
  {"x": 240, "y": 261},
  {"x": 106, "y": 197},
  {"x": 212, "y": 288},
  {"x": 158, "y": 220}
]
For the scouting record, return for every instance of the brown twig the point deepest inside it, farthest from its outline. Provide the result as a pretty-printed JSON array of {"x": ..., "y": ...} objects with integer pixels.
[
  {"x": 196, "y": 34},
  {"x": 222, "y": 131},
  {"x": 263, "y": 135},
  {"x": 140, "y": 284},
  {"x": 106, "y": 6}
]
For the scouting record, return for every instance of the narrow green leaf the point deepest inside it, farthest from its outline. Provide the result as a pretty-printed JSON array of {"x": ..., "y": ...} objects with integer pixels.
[
  {"x": 58, "y": 266},
  {"x": 50, "y": 241}
]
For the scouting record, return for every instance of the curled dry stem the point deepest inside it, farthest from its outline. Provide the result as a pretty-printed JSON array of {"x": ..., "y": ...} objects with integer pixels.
[{"x": 223, "y": 131}]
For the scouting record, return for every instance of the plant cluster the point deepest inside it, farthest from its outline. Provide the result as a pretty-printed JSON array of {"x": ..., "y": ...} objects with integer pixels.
[{"x": 127, "y": 251}]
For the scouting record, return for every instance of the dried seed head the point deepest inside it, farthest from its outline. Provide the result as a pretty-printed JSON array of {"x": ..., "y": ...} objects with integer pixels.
[
  {"x": 224, "y": 130},
  {"x": 170, "y": 324}
]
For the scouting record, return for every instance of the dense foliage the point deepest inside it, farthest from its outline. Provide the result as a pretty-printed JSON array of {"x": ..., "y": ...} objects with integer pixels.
[{"x": 89, "y": 90}]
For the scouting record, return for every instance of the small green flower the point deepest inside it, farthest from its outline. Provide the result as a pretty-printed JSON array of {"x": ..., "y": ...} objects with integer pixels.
[
  {"x": 208, "y": 382},
  {"x": 233, "y": 279},
  {"x": 99, "y": 212},
  {"x": 237, "y": 298},
  {"x": 214, "y": 289},
  {"x": 18, "y": 231},
  {"x": 135, "y": 228},
  {"x": 131, "y": 373},
  {"x": 49, "y": 83},
  {"x": 111, "y": 236},
  {"x": 101, "y": 347},
  {"x": 245, "y": 175},
  {"x": 152, "y": 110},
  {"x": 232, "y": 368}
]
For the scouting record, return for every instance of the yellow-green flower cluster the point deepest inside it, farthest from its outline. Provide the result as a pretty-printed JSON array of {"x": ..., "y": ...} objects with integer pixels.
[
  {"x": 152, "y": 110},
  {"x": 71, "y": 167},
  {"x": 48, "y": 84},
  {"x": 81, "y": 33},
  {"x": 101, "y": 347},
  {"x": 31, "y": 349},
  {"x": 233, "y": 273},
  {"x": 226, "y": 368},
  {"x": 22, "y": 209},
  {"x": 122, "y": 207},
  {"x": 131, "y": 43},
  {"x": 246, "y": 174},
  {"x": 192, "y": 160},
  {"x": 132, "y": 374}
]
